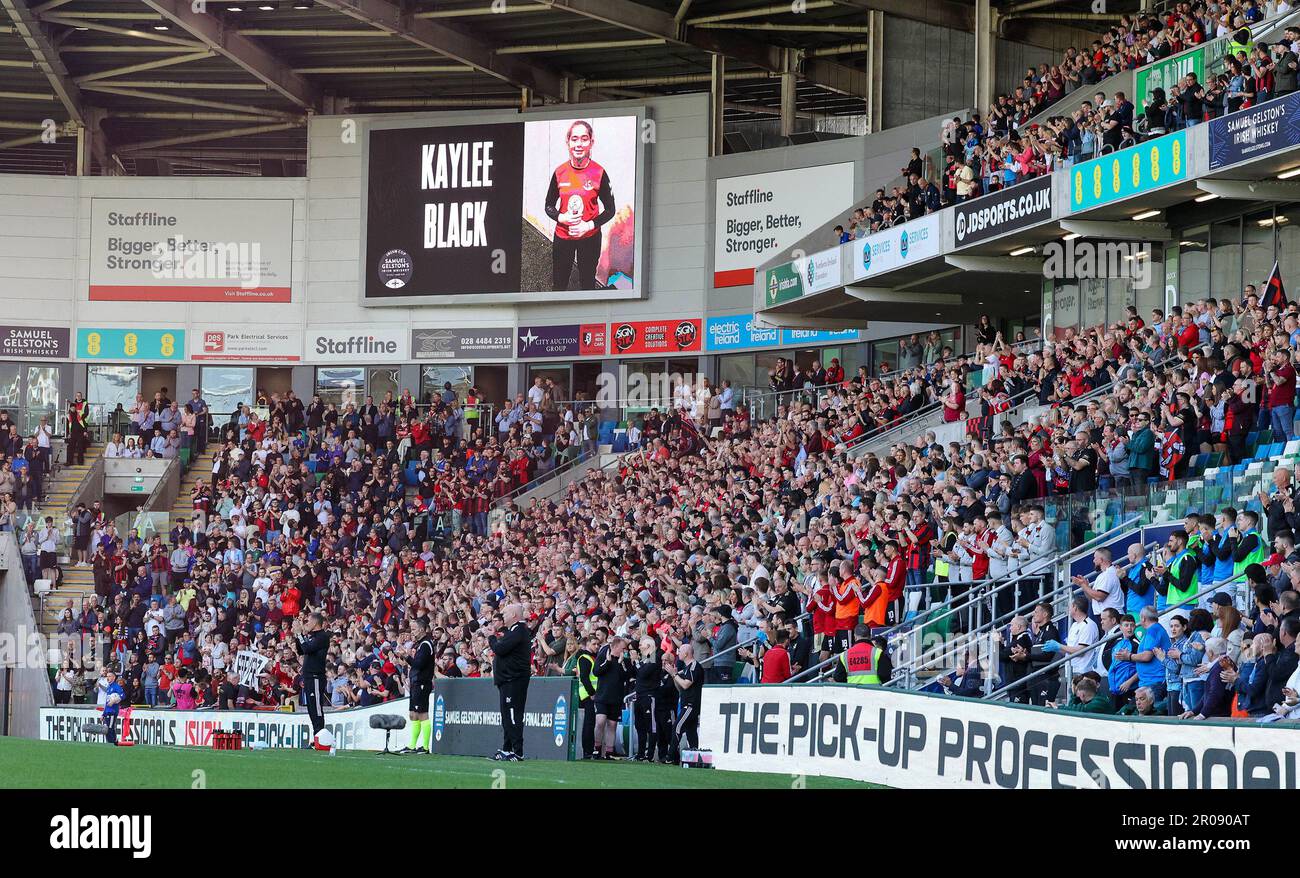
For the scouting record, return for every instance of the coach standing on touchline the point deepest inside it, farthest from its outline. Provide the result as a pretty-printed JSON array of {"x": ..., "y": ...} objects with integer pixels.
[
  {"x": 314, "y": 645},
  {"x": 510, "y": 672}
]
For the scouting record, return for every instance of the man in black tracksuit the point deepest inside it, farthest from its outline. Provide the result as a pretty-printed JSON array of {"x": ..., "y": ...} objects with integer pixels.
[
  {"x": 650, "y": 676},
  {"x": 313, "y": 646},
  {"x": 665, "y": 708},
  {"x": 421, "y": 686},
  {"x": 688, "y": 677},
  {"x": 613, "y": 669},
  {"x": 511, "y": 670}
]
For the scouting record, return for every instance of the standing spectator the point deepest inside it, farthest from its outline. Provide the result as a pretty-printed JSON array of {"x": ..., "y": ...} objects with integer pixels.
[
  {"x": 1082, "y": 634},
  {"x": 1141, "y": 451},
  {"x": 78, "y": 414},
  {"x": 1104, "y": 591},
  {"x": 1122, "y": 675},
  {"x": 724, "y": 638},
  {"x": 612, "y": 670},
  {"x": 776, "y": 661},
  {"x": 1217, "y": 701},
  {"x": 1281, "y": 395},
  {"x": 1045, "y": 642},
  {"x": 151, "y": 674},
  {"x": 83, "y": 521},
  {"x": 1150, "y": 666},
  {"x": 48, "y": 542},
  {"x": 64, "y": 682}
]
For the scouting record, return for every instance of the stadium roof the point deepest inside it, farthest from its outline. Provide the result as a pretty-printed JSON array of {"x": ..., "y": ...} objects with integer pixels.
[{"x": 229, "y": 89}]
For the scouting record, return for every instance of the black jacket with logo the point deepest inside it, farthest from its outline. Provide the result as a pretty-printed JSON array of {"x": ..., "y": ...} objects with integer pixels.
[{"x": 514, "y": 654}]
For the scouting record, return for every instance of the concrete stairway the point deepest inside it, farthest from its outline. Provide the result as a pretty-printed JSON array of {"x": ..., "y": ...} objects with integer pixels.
[
  {"x": 200, "y": 468},
  {"x": 78, "y": 582}
]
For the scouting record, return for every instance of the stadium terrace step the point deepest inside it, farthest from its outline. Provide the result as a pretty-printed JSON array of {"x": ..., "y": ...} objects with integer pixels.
[
  {"x": 61, "y": 488},
  {"x": 77, "y": 583},
  {"x": 199, "y": 466}
]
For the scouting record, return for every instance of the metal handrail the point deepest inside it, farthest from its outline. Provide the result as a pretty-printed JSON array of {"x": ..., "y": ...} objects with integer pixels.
[
  {"x": 957, "y": 358},
  {"x": 947, "y": 609},
  {"x": 168, "y": 483},
  {"x": 876, "y": 438},
  {"x": 1066, "y": 589},
  {"x": 1037, "y": 572},
  {"x": 859, "y": 444},
  {"x": 754, "y": 639},
  {"x": 569, "y": 465},
  {"x": 757, "y": 402},
  {"x": 610, "y": 464},
  {"x": 976, "y": 599},
  {"x": 1161, "y": 366},
  {"x": 1057, "y": 592},
  {"x": 918, "y": 620},
  {"x": 1065, "y": 660}
]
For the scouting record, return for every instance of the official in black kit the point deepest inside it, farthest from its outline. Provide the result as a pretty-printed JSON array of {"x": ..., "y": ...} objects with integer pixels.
[
  {"x": 613, "y": 670},
  {"x": 313, "y": 645},
  {"x": 688, "y": 677},
  {"x": 511, "y": 670},
  {"x": 420, "y": 687},
  {"x": 649, "y": 676},
  {"x": 665, "y": 712}
]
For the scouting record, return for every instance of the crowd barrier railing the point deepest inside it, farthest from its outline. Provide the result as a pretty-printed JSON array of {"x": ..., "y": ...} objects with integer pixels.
[{"x": 1066, "y": 662}]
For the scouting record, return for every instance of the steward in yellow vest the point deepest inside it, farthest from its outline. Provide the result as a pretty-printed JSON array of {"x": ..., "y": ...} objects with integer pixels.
[
  {"x": 585, "y": 669},
  {"x": 859, "y": 665}
]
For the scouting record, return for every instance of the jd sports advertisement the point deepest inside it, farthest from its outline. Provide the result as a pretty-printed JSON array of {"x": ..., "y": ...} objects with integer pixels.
[{"x": 502, "y": 212}]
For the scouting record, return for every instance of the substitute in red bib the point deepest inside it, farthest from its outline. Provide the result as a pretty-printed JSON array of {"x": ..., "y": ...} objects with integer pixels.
[{"x": 580, "y": 201}]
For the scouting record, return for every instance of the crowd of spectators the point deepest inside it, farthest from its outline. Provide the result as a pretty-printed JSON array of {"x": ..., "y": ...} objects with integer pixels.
[
  {"x": 1172, "y": 637},
  {"x": 1198, "y": 380},
  {"x": 1004, "y": 146},
  {"x": 302, "y": 512},
  {"x": 750, "y": 549},
  {"x": 25, "y": 462}
]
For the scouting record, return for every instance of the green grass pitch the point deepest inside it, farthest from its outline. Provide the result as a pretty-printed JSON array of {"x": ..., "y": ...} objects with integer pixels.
[{"x": 26, "y": 764}]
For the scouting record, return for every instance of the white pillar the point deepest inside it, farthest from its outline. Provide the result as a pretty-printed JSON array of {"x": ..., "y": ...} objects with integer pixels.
[
  {"x": 985, "y": 47},
  {"x": 83, "y": 151},
  {"x": 876, "y": 72},
  {"x": 788, "y": 93},
  {"x": 717, "y": 102}
]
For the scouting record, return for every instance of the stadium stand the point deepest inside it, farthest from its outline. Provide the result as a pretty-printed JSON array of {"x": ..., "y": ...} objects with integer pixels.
[
  {"x": 777, "y": 523},
  {"x": 1019, "y": 137},
  {"x": 1073, "y": 512}
]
